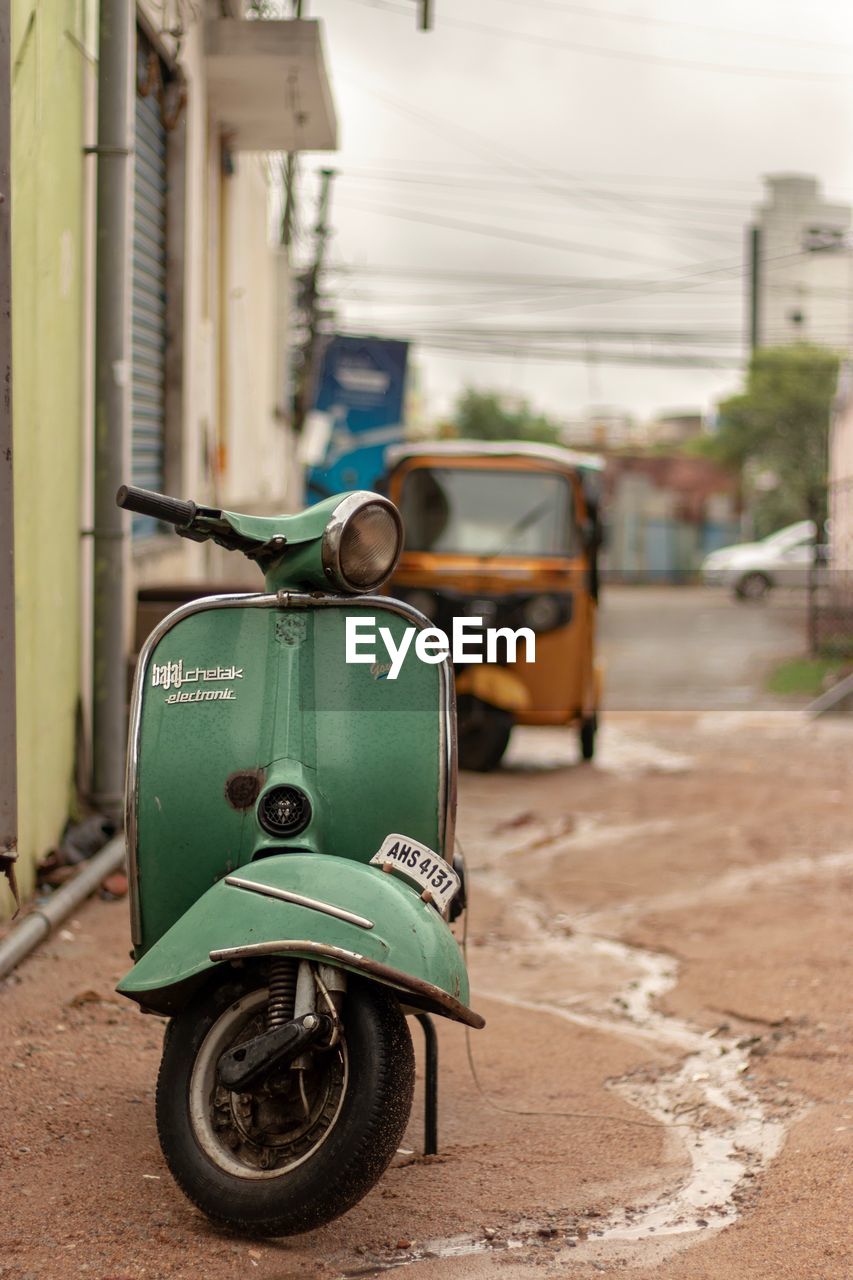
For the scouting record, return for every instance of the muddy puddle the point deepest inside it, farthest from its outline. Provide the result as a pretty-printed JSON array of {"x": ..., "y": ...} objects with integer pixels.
[
  {"x": 708, "y": 1108},
  {"x": 698, "y": 1087},
  {"x": 617, "y": 751}
]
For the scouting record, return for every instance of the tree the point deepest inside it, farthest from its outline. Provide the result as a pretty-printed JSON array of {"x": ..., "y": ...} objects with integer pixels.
[
  {"x": 779, "y": 427},
  {"x": 484, "y": 415}
]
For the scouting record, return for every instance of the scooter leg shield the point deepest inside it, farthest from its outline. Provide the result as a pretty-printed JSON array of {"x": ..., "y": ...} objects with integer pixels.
[{"x": 315, "y": 907}]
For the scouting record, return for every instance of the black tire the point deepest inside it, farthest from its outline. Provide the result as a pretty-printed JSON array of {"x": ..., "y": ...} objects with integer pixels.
[
  {"x": 753, "y": 586},
  {"x": 482, "y": 734},
  {"x": 375, "y": 1076},
  {"x": 587, "y": 732}
]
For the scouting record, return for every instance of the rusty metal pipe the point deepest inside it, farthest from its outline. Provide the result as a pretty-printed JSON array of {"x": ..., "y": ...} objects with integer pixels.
[
  {"x": 43, "y": 919},
  {"x": 8, "y": 742},
  {"x": 116, "y": 96}
]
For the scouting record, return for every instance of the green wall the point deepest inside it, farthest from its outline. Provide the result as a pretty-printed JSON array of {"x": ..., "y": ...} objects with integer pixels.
[{"x": 48, "y": 361}]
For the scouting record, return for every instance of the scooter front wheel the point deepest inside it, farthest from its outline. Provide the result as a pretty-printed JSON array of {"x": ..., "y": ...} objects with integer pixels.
[{"x": 308, "y": 1143}]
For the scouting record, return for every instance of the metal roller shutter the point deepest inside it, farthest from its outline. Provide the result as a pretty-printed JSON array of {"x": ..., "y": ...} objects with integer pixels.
[{"x": 148, "y": 296}]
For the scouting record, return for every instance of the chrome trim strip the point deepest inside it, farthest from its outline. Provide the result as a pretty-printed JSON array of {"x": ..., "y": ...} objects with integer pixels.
[
  {"x": 299, "y": 900},
  {"x": 418, "y": 990},
  {"x": 282, "y": 600},
  {"x": 285, "y": 944}
]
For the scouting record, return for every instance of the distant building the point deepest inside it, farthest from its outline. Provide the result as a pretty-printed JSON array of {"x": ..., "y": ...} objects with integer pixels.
[
  {"x": 805, "y": 265},
  {"x": 609, "y": 428},
  {"x": 603, "y": 427},
  {"x": 676, "y": 427},
  {"x": 664, "y": 514}
]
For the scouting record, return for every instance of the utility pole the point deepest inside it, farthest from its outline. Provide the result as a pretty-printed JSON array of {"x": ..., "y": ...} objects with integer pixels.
[
  {"x": 287, "y": 217},
  {"x": 754, "y": 254},
  {"x": 308, "y": 303},
  {"x": 116, "y": 43},
  {"x": 8, "y": 727}
]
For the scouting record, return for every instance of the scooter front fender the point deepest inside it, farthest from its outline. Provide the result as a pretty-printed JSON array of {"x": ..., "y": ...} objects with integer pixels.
[{"x": 314, "y": 907}]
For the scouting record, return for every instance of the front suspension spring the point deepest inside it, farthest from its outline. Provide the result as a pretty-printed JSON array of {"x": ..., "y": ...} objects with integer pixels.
[{"x": 282, "y": 986}]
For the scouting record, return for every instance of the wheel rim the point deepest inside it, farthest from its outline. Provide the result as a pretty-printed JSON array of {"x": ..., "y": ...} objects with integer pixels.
[
  {"x": 754, "y": 587},
  {"x": 277, "y": 1127}
]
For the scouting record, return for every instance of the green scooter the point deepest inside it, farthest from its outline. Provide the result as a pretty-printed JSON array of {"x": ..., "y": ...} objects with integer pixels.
[{"x": 290, "y": 820}]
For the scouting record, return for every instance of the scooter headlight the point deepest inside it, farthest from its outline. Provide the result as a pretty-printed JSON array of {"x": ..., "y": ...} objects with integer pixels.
[{"x": 362, "y": 542}]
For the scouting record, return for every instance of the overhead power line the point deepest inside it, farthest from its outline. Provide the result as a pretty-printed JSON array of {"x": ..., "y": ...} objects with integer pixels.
[
  {"x": 638, "y": 214},
  {"x": 506, "y": 233},
  {"x": 552, "y": 41},
  {"x": 581, "y": 354},
  {"x": 674, "y": 24},
  {"x": 452, "y": 181},
  {"x": 469, "y": 140}
]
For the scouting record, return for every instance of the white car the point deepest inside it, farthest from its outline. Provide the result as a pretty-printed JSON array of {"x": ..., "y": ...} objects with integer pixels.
[{"x": 751, "y": 569}]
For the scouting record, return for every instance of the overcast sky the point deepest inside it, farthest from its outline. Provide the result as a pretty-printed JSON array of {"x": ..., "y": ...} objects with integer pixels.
[{"x": 552, "y": 170}]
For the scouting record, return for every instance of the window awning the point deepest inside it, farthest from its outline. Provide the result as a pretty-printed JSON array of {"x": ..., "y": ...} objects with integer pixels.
[{"x": 268, "y": 86}]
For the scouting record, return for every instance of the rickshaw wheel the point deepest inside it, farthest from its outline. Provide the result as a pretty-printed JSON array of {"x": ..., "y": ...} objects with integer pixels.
[
  {"x": 483, "y": 734},
  {"x": 588, "y": 730}
]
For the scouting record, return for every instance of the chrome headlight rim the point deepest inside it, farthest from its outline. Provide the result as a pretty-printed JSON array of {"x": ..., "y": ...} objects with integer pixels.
[{"x": 342, "y": 516}]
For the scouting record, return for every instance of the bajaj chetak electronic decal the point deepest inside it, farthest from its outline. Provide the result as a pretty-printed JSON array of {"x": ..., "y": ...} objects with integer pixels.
[{"x": 172, "y": 675}]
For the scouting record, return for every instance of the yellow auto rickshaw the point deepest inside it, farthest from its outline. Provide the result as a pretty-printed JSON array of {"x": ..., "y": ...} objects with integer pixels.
[{"x": 507, "y": 533}]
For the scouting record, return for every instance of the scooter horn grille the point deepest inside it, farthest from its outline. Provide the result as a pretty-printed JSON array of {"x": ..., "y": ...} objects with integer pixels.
[{"x": 284, "y": 811}]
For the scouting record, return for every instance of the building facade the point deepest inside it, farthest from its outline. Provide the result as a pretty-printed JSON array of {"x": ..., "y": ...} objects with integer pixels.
[
  {"x": 664, "y": 514},
  {"x": 209, "y": 302},
  {"x": 51, "y": 70},
  {"x": 805, "y": 265}
]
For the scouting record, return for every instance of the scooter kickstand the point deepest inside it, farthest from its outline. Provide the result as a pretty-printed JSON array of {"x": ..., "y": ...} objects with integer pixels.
[{"x": 430, "y": 1085}]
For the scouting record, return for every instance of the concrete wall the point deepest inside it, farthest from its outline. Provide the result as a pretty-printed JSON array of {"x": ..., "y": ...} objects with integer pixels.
[
  {"x": 49, "y": 67},
  {"x": 228, "y": 445}
]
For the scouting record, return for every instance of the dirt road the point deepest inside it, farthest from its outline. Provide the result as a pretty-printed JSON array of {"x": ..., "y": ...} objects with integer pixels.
[
  {"x": 662, "y": 947},
  {"x": 696, "y": 648}
]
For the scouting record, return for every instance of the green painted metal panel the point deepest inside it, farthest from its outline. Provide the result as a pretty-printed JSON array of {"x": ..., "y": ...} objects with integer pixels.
[
  {"x": 407, "y": 935},
  {"x": 268, "y": 690}
]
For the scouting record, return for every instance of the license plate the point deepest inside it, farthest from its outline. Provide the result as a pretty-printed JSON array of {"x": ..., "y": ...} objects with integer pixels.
[{"x": 418, "y": 863}]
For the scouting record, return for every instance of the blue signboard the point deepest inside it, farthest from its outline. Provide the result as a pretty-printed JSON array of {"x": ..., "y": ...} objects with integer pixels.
[{"x": 358, "y": 412}]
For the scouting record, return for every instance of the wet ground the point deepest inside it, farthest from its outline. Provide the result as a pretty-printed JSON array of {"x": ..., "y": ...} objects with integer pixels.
[
  {"x": 696, "y": 648},
  {"x": 661, "y": 944}
]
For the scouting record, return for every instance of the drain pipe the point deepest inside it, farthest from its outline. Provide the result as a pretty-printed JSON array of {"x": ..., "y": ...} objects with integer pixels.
[
  {"x": 8, "y": 740},
  {"x": 116, "y": 98},
  {"x": 42, "y": 920}
]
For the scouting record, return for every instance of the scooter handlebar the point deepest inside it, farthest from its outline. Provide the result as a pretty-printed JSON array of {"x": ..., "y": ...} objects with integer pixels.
[{"x": 157, "y": 505}]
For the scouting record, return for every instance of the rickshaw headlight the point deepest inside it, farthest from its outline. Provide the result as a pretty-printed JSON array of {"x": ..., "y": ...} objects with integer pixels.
[
  {"x": 362, "y": 542},
  {"x": 542, "y": 613}
]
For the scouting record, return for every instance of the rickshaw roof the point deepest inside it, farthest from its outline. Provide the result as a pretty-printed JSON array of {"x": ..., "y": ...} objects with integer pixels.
[{"x": 569, "y": 458}]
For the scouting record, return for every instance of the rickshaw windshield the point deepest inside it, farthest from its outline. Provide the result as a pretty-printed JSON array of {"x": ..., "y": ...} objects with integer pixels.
[{"x": 488, "y": 512}]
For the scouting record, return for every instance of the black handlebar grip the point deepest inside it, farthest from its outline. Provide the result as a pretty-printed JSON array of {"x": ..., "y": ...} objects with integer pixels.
[{"x": 158, "y": 505}]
